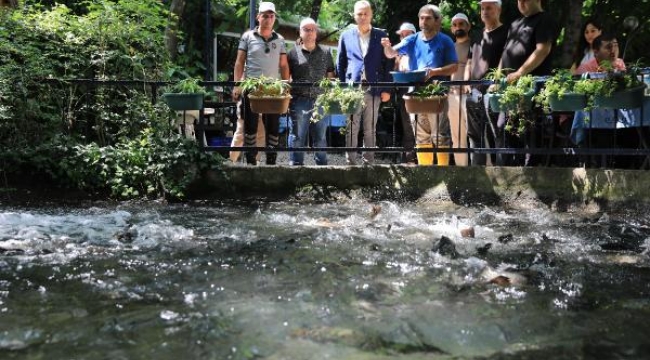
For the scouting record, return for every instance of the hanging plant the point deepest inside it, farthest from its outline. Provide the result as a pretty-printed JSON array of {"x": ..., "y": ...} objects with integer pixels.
[{"x": 337, "y": 99}]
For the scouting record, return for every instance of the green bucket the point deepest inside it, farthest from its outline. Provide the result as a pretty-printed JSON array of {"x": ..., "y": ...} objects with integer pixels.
[
  {"x": 626, "y": 99},
  {"x": 568, "y": 102}
]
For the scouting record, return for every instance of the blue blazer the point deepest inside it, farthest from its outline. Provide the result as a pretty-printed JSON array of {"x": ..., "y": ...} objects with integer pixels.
[{"x": 350, "y": 62}]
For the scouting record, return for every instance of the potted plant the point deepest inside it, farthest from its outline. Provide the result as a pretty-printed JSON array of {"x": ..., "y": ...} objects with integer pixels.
[
  {"x": 267, "y": 95},
  {"x": 620, "y": 89},
  {"x": 559, "y": 93},
  {"x": 186, "y": 94},
  {"x": 428, "y": 99},
  {"x": 516, "y": 100},
  {"x": 337, "y": 99}
]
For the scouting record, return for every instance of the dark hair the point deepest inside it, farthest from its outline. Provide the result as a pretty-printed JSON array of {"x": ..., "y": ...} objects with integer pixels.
[
  {"x": 599, "y": 40},
  {"x": 582, "y": 43}
]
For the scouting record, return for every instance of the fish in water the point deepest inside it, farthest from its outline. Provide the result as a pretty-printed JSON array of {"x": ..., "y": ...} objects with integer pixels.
[
  {"x": 503, "y": 276},
  {"x": 374, "y": 211}
]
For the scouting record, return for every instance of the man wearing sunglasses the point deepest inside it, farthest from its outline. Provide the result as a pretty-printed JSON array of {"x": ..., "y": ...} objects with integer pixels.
[{"x": 261, "y": 52}]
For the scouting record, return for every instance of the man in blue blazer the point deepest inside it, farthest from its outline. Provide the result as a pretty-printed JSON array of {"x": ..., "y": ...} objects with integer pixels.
[{"x": 361, "y": 59}]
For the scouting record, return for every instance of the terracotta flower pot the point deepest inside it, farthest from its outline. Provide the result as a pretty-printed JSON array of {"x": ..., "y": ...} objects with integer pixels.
[
  {"x": 269, "y": 105},
  {"x": 418, "y": 105}
]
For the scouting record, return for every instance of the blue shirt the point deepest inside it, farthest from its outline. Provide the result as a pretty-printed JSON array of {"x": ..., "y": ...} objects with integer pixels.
[{"x": 436, "y": 52}]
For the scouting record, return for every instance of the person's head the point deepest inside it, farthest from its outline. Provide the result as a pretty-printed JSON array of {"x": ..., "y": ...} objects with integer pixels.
[
  {"x": 529, "y": 7},
  {"x": 308, "y": 31},
  {"x": 490, "y": 11},
  {"x": 362, "y": 13},
  {"x": 430, "y": 18},
  {"x": 605, "y": 47},
  {"x": 266, "y": 15},
  {"x": 591, "y": 30},
  {"x": 460, "y": 26},
  {"x": 405, "y": 30}
]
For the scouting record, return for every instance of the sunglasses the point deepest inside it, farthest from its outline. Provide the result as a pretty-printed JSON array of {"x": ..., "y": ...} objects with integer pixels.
[{"x": 266, "y": 48}]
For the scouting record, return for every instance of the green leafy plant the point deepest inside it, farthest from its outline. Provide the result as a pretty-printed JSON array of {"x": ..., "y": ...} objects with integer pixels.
[
  {"x": 561, "y": 83},
  {"x": 188, "y": 86},
  {"x": 431, "y": 90},
  {"x": 517, "y": 100},
  {"x": 266, "y": 87},
  {"x": 345, "y": 98},
  {"x": 497, "y": 76}
]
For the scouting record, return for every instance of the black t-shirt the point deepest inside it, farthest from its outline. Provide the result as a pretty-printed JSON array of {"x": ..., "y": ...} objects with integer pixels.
[
  {"x": 524, "y": 35},
  {"x": 486, "y": 54},
  {"x": 309, "y": 67}
]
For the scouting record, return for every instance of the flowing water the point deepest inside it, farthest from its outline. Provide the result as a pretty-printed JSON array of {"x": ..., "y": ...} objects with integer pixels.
[{"x": 346, "y": 280}]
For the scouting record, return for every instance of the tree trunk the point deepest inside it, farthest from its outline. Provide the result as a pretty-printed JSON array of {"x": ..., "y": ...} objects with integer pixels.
[
  {"x": 315, "y": 9},
  {"x": 171, "y": 32},
  {"x": 571, "y": 32}
]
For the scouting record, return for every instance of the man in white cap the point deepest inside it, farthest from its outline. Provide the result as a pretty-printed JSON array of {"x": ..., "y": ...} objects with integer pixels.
[
  {"x": 402, "y": 61},
  {"x": 308, "y": 63},
  {"x": 402, "y": 64},
  {"x": 485, "y": 55},
  {"x": 261, "y": 52},
  {"x": 457, "y": 94}
]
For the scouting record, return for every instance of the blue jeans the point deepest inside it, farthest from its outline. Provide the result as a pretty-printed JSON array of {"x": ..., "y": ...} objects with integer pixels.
[{"x": 301, "y": 110}]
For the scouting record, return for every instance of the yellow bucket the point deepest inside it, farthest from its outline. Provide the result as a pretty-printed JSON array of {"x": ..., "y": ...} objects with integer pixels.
[{"x": 424, "y": 158}]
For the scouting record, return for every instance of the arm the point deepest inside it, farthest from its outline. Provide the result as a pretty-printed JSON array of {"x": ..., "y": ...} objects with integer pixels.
[
  {"x": 542, "y": 50},
  {"x": 446, "y": 70},
  {"x": 388, "y": 49},
  {"x": 284, "y": 67},
  {"x": 239, "y": 73}
]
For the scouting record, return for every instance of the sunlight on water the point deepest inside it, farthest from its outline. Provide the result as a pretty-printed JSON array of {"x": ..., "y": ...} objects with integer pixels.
[{"x": 346, "y": 280}]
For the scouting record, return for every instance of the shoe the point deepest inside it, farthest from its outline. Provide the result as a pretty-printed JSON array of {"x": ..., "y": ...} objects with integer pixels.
[{"x": 251, "y": 160}]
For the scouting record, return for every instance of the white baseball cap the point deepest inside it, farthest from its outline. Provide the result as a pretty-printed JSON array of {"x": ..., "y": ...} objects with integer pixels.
[
  {"x": 460, "y": 16},
  {"x": 407, "y": 26},
  {"x": 267, "y": 6},
  {"x": 498, "y": 2},
  {"x": 307, "y": 21}
]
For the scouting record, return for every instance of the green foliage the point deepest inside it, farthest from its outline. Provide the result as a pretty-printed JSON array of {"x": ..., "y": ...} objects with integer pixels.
[
  {"x": 517, "y": 100},
  {"x": 147, "y": 166},
  {"x": 344, "y": 98},
  {"x": 431, "y": 90},
  {"x": 102, "y": 138},
  {"x": 266, "y": 87},
  {"x": 558, "y": 85},
  {"x": 188, "y": 86}
]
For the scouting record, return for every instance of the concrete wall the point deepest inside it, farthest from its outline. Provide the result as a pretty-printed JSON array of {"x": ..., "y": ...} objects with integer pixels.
[{"x": 555, "y": 187}]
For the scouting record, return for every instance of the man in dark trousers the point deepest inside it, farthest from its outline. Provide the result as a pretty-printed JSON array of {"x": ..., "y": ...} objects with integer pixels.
[
  {"x": 361, "y": 59},
  {"x": 530, "y": 42},
  {"x": 484, "y": 55},
  {"x": 261, "y": 52}
]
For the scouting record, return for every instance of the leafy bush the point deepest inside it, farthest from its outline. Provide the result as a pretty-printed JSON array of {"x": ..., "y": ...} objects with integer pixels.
[{"x": 345, "y": 98}]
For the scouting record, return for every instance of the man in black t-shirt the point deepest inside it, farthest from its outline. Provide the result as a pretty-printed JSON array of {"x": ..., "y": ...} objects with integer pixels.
[
  {"x": 530, "y": 42},
  {"x": 528, "y": 51},
  {"x": 484, "y": 55}
]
